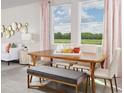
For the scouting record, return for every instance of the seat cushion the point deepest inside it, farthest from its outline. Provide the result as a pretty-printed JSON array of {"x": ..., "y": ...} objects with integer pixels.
[
  {"x": 102, "y": 73},
  {"x": 87, "y": 64},
  {"x": 59, "y": 74}
]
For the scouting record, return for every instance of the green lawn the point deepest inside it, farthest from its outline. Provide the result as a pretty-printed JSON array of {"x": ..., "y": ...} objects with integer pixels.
[
  {"x": 62, "y": 41},
  {"x": 92, "y": 41},
  {"x": 84, "y": 41}
]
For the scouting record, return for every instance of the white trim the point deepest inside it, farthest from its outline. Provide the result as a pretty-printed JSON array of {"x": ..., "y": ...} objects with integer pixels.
[
  {"x": 60, "y": 2},
  {"x": 90, "y": 1},
  {"x": 75, "y": 23},
  {"x": 75, "y": 19}
]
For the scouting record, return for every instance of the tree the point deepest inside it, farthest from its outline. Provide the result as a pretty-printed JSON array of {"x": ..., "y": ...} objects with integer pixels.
[
  {"x": 85, "y": 35},
  {"x": 58, "y": 35},
  {"x": 66, "y": 36},
  {"x": 88, "y": 35}
]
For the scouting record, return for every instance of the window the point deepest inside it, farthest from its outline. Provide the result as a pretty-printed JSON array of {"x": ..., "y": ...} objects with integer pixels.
[
  {"x": 61, "y": 23},
  {"x": 91, "y": 26},
  {"x": 87, "y": 16}
]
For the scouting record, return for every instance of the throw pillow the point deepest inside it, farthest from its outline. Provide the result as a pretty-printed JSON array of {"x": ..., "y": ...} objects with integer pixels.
[
  {"x": 13, "y": 45},
  {"x": 7, "y": 47}
]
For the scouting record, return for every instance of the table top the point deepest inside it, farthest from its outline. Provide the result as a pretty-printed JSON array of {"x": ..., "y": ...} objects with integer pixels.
[{"x": 83, "y": 57}]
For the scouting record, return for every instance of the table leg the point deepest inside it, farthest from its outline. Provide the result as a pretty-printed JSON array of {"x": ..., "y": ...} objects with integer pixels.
[
  {"x": 33, "y": 60},
  {"x": 92, "y": 68},
  {"x": 51, "y": 60},
  {"x": 102, "y": 64}
]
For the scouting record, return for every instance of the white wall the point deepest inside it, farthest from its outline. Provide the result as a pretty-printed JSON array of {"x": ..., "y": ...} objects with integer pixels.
[{"x": 27, "y": 13}]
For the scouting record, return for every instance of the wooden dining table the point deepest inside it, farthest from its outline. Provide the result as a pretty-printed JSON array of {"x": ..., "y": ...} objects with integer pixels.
[{"x": 90, "y": 58}]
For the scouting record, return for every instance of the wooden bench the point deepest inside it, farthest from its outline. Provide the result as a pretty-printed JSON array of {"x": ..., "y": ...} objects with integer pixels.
[{"x": 68, "y": 77}]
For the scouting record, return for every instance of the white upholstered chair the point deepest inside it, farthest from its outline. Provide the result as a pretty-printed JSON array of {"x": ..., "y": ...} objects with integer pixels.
[
  {"x": 80, "y": 66},
  {"x": 110, "y": 73}
]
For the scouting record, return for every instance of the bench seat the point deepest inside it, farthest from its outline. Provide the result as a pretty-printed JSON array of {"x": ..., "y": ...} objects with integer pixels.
[{"x": 59, "y": 74}]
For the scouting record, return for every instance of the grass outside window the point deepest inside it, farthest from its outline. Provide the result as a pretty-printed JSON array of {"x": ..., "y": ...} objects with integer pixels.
[{"x": 83, "y": 41}]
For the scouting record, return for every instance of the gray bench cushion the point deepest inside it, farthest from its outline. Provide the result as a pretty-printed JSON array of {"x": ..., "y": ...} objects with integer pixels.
[{"x": 60, "y": 74}]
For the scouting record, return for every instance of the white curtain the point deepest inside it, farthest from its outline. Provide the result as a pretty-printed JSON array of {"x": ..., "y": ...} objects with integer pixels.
[{"x": 112, "y": 32}]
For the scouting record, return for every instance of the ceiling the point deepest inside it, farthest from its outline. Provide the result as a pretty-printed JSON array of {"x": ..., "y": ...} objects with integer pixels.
[{"x": 13, "y": 3}]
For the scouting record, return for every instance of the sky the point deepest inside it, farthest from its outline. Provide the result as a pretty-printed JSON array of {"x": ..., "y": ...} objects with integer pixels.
[{"x": 91, "y": 17}]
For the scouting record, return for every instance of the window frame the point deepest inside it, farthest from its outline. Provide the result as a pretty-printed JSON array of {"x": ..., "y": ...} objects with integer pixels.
[
  {"x": 86, "y": 2},
  {"x": 52, "y": 22},
  {"x": 78, "y": 34}
]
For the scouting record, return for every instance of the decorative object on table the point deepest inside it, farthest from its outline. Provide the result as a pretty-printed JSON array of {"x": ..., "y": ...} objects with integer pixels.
[
  {"x": 68, "y": 50},
  {"x": 99, "y": 51},
  {"x": 59, "y": 48},
  {"x": 76, "y": 50}
]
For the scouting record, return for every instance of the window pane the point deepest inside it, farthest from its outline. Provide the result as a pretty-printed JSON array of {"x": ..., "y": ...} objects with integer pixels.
[
  {"x": 61, "y": 17},
  {"x": 92, "y": 13}
]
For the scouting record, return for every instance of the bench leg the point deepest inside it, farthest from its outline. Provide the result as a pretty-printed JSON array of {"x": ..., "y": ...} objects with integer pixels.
[
  {"x": 64, "y": 67},
  {"x": 111, "y": 85},
  {"x": 89, "y": 80},
  {"x": 105, "y": 81},
  {"x": 31, "y": 78},
  {"x": 8, "y": 63},
  {"x": 86, "y": 84},
  {"x": 115, "y": 83},
  {"x": 76, "y": 89},
  {"x": 28, "y": 83},
  {"x": 40, "y": 79},
  {"x": 73, "y": 68},
  {"x": 56, "y": 66},
  {"x": 81, "y": 70}
]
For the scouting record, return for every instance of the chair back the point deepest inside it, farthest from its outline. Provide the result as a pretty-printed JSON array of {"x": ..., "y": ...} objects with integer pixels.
[{"x": 115, "y": 61}]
